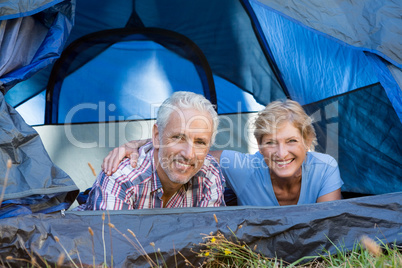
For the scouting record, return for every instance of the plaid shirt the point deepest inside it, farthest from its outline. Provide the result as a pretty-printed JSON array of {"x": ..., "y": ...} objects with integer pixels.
[{"x": 138, "y": 188}]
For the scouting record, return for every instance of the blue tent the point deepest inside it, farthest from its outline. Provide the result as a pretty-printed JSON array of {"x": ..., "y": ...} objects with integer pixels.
[{"x": 341, "y": 60}]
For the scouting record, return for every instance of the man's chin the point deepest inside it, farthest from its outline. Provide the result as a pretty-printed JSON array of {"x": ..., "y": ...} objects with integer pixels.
[
  {"x": 179, "y": 180},
  {"x": 180, "y": 177}
]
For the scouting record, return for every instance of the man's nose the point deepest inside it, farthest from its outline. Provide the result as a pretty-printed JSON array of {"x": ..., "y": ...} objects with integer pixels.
[{"x": 188, "y": 150}]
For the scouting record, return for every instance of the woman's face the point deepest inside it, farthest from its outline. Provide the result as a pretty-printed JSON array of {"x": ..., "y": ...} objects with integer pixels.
[{"x": 284, "y": 151}]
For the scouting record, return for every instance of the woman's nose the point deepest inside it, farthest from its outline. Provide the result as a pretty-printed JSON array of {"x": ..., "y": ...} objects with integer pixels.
[{"x": 282, "y": 151}]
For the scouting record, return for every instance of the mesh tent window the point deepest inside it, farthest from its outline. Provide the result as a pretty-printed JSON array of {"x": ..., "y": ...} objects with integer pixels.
[{"x": 134, "y": 68}]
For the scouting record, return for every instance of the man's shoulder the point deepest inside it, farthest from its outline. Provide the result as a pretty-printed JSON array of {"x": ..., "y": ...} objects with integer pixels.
[
  {"x": 209, "y": 165},
  {"x": 209, "y": 174},
  {"x": 210, "y": 161},
  {"x": 126, "y": 173}
]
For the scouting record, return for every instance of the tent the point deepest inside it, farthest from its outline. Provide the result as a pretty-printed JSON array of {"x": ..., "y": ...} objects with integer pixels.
[{"x": 117, "y": 60}]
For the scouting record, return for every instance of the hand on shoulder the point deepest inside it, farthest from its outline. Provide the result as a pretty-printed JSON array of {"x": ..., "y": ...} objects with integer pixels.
[{"x": 129, "y": 149}]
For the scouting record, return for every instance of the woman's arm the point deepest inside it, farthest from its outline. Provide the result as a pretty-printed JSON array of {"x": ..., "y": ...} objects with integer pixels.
[
  {"x": 130, "y": 150},
  {"x": 335, "y": 195}
]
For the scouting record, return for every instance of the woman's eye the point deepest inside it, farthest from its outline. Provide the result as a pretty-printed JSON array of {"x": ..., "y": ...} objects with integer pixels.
[{"x": 292, "y": 140}]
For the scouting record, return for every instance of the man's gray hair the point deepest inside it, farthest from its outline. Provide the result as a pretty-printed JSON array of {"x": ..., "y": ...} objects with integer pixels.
[{"x": 186, "y": 100}]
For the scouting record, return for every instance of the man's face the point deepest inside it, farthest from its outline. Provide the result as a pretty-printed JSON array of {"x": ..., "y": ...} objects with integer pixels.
[{"x": 183, "y": 145}]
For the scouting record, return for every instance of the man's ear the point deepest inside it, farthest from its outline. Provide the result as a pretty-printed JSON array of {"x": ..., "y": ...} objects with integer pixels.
[{"x": 155, "y": 136}]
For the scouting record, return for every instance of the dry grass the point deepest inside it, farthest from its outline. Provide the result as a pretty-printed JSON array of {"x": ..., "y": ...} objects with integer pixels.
[{"x": 220, "y": 251}]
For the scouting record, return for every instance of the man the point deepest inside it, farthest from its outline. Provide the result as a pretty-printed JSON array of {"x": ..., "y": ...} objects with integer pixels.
[{"x": 174, "y": 170}]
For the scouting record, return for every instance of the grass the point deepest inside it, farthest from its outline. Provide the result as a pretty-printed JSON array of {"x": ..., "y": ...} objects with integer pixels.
[
  {"x": 217, "y": 251},
  {"x": 220, "y": 251}
]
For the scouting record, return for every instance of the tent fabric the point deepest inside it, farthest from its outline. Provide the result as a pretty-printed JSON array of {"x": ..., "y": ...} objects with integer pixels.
[
  {"x": 82, "y": 143},
  {"x": 371, "y": 26},
  {"x": 317, "y": 63},
  {"x": 238, "y": 60},
  {"x": 16, "y": 8},
  {"x": 341, "y": 60},
  {"x": 32, "y": 42},
  {"x": 313, "y": 55},
  {"x": 355, "y": 38},
  {"x": 34, "y": 183},
  {"x": 153, "y": 61},
  {"x": 390, "y": 77},
  {"x": 17, "y": 35},
  {"x": 320, "y": 60},
  {"x": 140, "y": 73},
  {"x": 108, "y": 15},
  {"x": 32, "y": 37},
  {"x": 361, "y": 130},
  {"x": 288, "y": 232}
]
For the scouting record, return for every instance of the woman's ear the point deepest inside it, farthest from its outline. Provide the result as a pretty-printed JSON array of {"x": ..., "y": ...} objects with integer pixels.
[
  {"x": 259, "y": 144},
  {"x": 259, "y": 148},
  {"x": 155, "y": 136},
  {"x": 307, "y": 144}
]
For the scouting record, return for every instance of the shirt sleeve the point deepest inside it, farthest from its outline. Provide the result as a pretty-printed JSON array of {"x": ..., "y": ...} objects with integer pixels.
[
  {"x": 217, "y": 193},
  {"x": 213, "y": 186},
  {"x": 108, "y": 193},
  {"x": 331, "y": 179},
  {"x": 236, "y": 167}
]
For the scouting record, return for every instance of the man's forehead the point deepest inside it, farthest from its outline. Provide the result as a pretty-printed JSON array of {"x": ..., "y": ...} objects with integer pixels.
[
  {"x": 190, "y": 116},
  {"x": 186, "y": 130},
  {"x": 189, "y": 125}
]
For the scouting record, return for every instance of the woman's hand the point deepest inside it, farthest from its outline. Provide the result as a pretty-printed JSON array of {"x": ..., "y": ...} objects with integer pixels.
[{"x": 129, "y": 149}]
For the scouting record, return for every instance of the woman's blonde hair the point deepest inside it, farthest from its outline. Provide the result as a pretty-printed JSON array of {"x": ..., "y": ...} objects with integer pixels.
[{"x": 277, "y": 113}]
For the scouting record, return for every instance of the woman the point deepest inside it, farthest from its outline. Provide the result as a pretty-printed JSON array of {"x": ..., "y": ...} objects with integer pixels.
[{"x": 285, "y": 170}]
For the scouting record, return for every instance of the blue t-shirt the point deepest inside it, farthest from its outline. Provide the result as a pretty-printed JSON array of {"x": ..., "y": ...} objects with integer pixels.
[{"x": 248, "y": 176}]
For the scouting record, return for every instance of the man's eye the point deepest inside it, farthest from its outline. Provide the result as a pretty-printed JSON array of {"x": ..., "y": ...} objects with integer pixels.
[
  {"x": 201, "y": 143},
  {"x": 177, "y": 137},
  {"x": 270, "y": 143}
]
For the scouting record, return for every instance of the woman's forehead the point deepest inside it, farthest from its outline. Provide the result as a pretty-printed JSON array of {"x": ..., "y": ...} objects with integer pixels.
[{"x": 284, "y": 130}]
